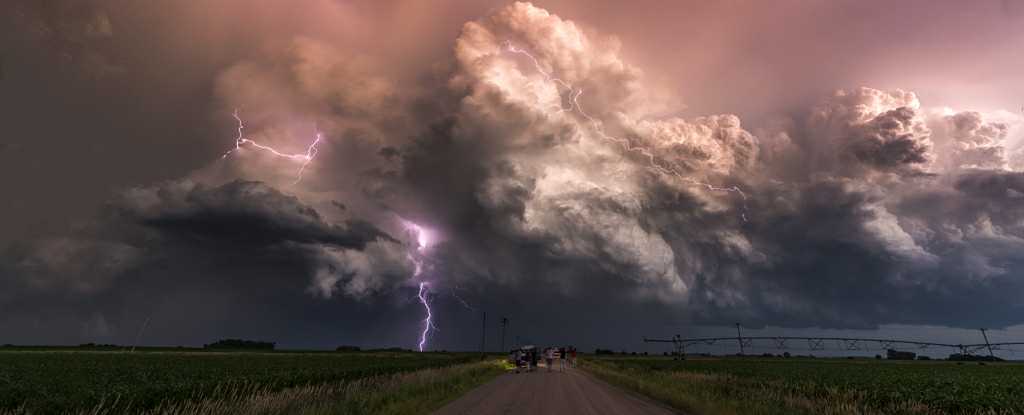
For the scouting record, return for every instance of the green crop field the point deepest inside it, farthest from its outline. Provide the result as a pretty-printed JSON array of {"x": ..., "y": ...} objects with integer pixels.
[
  {"x": 814, "y": 386},
  {"x": 72, "y": 381}
]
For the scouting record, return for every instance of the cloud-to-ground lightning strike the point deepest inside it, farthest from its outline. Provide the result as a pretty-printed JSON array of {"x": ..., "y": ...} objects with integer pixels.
[
  {"x": 622, "y": 142},
  {"x": 303, "y": 158},
  {"x": 427, "y": 322},
  {"x": 422, "y": 239}
]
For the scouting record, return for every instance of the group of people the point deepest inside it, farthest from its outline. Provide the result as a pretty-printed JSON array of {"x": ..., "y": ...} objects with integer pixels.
[{"x": 526, "y": 358}]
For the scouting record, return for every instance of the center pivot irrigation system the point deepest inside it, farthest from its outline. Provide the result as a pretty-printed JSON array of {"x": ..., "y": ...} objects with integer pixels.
[{"x": 821, "y": 343}]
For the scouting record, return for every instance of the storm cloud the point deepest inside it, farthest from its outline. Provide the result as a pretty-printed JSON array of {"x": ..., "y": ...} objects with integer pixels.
[{"x": 537, "y": 156}]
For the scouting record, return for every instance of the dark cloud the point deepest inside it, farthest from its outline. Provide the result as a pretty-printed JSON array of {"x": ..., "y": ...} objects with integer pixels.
[
  {"x": 240, "y": 212},
  {"x": 885, "y": 142},
  {"x": 77, "y": 33},
  {"x": 197, "y": 243}
]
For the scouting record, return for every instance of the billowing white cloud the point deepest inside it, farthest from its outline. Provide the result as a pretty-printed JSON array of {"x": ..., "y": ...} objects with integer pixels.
[
  {"x": 868, "y": 129},
  {"x": 966, "y": 140}
]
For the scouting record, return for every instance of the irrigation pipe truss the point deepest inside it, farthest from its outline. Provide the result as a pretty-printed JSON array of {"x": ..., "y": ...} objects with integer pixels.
[{"x": 819, "y": 343}]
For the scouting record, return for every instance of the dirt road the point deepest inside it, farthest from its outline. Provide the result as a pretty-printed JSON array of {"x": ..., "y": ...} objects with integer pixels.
[{"x": 555, "y": 392}]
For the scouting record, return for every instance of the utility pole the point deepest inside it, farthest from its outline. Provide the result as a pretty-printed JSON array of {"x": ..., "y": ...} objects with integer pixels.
[
  {"x": 504, "y": 323},
  {"x": 739, "y": 338},
  {"x": 483, "y": 334},
  {"x": 987, "y": 344}
]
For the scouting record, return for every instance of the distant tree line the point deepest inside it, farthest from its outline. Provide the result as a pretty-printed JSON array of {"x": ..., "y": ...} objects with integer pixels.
[
  {"x": 98, "y": 346},
  {"x": 239, "y": 344},
  {"x": 397, "y": 349},
  {"x": 621, "y": 353},
  {"x": 957, "y": 357}
]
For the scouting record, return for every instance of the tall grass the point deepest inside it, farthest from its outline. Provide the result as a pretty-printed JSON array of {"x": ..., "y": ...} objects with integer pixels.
[
  {"x": 715, "y": 393},
  {"x": 406, "y": 393},
  {"x": 56, "y": 382}
]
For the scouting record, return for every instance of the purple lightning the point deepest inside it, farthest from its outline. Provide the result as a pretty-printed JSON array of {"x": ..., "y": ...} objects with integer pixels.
[
  {"x": 427, "y": 323},
  {"x": 622, "y": 142},
  {"x": 303, "y": 158},
  {"x": 422, "y": 238}
]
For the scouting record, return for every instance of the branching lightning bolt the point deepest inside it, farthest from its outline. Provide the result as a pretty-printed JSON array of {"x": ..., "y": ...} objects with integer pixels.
[
  {"x": 303, "y": 158},
  {"x": 622, "y": 142}
]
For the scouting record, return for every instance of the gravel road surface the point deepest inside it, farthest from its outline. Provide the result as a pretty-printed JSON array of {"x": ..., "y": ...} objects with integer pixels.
[{"x": 542, "y": 393}]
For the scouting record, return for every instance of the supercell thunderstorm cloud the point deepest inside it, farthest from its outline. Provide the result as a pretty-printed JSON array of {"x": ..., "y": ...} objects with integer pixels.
[{"x": 540, "y": 162}]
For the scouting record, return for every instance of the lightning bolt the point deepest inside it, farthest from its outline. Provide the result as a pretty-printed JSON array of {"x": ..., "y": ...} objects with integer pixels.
[
  {"x": 427, "y": 321},
  {"x": 422, "y": 239},
  {"x": 303, "y": 158},
  {"x": 624, "y": 143},
  {"x": 461, "y": 300}
]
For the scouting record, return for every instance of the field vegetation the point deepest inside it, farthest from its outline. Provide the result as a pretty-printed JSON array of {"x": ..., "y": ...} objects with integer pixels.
[
  {"x": 819, "y": 386},
  {"x": 45, "y": 382}
]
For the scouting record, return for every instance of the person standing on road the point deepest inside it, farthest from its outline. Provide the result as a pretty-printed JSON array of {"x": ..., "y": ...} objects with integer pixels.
[
  {"x": 549, "y": 357},
  {"x": 572, "y": 355},
  {"x": 562, "y": 358}
]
